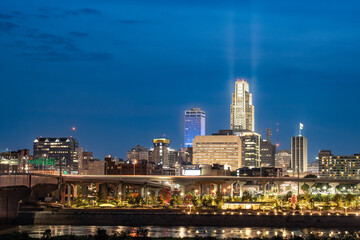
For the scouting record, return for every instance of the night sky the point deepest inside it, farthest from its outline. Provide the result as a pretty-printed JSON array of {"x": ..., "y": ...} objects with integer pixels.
[{"x": 123, "y": 72}]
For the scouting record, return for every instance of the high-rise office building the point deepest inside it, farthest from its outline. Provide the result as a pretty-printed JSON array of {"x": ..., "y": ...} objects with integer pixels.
[
  {"x": 194, "y": 125},
  {"x": 218, "y": 149},
  {"x": 164, "y": 156},
  {"x": 242, "y": 112},
  {"x": 161, "y": 151},
  {"x": 250, "y": 142},
  {"x": 61, "y": 149},
  {"x": 267, "y": 150},
  {"x": 338, "y": 167},
  {"x": 299, "y": 157},
  {"x": 267, "y": 153}
]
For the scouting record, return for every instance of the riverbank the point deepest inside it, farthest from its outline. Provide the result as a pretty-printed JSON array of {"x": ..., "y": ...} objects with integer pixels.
[
  {"x": 146, "y": 217},
  {"x": 36, "y": 232}
]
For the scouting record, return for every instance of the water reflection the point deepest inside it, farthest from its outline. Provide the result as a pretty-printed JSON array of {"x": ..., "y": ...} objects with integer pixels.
[{"x": 178, "y": 232}]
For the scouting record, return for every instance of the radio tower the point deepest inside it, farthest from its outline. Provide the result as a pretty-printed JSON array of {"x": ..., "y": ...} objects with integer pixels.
[
  {"x": 73, "y": 130},
  {"x": 277, "y": 135}
]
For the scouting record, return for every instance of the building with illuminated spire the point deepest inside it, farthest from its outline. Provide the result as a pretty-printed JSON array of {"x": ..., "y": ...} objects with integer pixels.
[{"x": 242, "y": 111}]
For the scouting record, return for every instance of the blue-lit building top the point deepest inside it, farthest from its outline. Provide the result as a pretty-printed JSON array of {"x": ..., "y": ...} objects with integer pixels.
[{"x": 194, "y": 125}]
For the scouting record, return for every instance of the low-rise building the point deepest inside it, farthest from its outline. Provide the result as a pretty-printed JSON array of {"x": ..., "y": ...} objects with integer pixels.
[
  {"x": 259, "y": 172},
  {"x": 218, "y": 149},
  {"x": 95, "y": 167},
  {"x": 283, "y": 159},
  {"x": 15, "y": 161},
  {"x": 205, "y": 170},
  {"x": 138, "y": 153},
  {"x": 141, "y": 167},
  {"x": 313, "y": 168},
  {"x": 338, "y": 166}
]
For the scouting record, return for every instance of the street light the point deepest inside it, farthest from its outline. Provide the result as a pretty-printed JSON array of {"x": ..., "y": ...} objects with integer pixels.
[{"x": 134, "y": 166}]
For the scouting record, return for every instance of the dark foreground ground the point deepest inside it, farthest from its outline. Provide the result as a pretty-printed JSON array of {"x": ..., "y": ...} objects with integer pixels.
[
  {"x": 141, "y": 217},
  {"x": 142, "y": 235}
]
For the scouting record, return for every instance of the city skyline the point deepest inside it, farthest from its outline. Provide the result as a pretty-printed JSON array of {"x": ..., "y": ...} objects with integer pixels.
[{"x": 127, "y": 86}]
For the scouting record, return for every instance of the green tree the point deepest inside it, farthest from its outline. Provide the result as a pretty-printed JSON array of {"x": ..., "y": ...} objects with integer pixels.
[
  {"x": 350, "y": 199},
  {"x": 305, "y": 188},
  {"x": 338, "y": 199}
]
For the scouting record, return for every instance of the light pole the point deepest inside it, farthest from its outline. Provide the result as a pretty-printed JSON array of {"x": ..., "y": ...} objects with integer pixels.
[
  {"x": 10, "y": 161},
  {"x": 134, "y": 166}
]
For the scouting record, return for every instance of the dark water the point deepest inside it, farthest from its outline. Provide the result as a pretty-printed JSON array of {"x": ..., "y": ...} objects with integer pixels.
[{"x": 220, "y": 232}]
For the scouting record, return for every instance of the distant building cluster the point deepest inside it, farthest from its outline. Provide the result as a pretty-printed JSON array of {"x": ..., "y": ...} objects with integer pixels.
[{"x": 237, "y": 151}]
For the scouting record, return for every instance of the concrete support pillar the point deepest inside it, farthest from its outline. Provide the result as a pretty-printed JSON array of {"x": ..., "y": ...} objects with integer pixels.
[
  {"x": 264, "y": 187},
  {"x": 217, "y": 189},
  {"x": 69, "y": 194},
  {"x": 147, "y": 192},
  {"x": 333, "y": 185},
  {"x": 84, "y": 189},
  {"x": 278, "y": 187},
  {"x": 182, "y": 191},
  {"x": 157, "y": 192},
  {"x": 97, "y": 187},
  {"x": 9, "y": 202},
  {"x": 123, "y": 191},
  {"x": 200, "y": 190},
  {"x": 241, "y": 191},
  {"x": 310, "y": 184},
  {"x": 144, "y": 193},
  {"x": 62, "y": 193},
  {"x": 57, "y": 194},
  {"x": 104, "y": 190},
  {"x": 116, "y": 191},
  {"x": 75, "y": 195},
  {"x": 232, "y": 190}
]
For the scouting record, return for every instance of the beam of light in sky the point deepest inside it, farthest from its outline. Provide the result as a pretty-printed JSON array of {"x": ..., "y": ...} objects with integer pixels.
[
  {"x": 255, "y": 53},
  {"x": 230, "y": 43}
]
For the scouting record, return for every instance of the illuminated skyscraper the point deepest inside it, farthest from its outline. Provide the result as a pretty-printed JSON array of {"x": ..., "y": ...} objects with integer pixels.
[
  {"x": 161, "y": 151},
  {"x": 241, "y": 110},
  {"x": 299, "y": 156},
  {"x": 194, "y": 125},
  {"x": 61, "y": 149}
]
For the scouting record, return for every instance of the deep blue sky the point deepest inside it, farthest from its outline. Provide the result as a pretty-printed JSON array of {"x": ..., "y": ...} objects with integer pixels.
[{"x": 123, "y": 72}]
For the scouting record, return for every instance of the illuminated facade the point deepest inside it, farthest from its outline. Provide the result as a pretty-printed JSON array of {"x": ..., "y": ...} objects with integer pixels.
[
  {"x": 299, "y": 157},
  {"x": 338, "y": 167},
  {"x": 194, "y": 125},
  {"x": 85, "y": 159},
  {"x": 242, "y": 112},
  {"x": 283, "y": 159},
  {"x": 138, "y": 153},
  {"x": 14, "y": 161},
  {"x": 61, "y": 149},
  {"x": 218, "y": 149},
  {"x": 251, "y": 142},
  {"x": 267, "y": 153},
  {"x": 161, "y": 151}
]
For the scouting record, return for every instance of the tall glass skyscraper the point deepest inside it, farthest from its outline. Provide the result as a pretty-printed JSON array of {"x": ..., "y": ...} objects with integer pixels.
[{"x": 194, "y": 125}]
